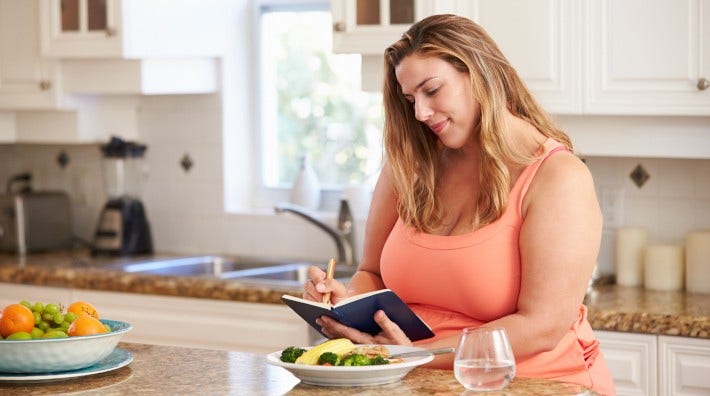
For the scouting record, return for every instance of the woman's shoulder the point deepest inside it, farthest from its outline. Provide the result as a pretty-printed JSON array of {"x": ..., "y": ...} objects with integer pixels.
[{"x": 561, "y": 175}]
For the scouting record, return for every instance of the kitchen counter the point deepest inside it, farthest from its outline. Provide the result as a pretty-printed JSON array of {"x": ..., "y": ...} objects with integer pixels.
[
  {"x": 161, "y": 370},
  {"x": 611, "y": 307}
]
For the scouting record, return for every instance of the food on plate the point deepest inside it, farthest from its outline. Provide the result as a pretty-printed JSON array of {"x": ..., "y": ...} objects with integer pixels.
[
  {"x": 26, "y": 321},
  {"x": 338, "y": 352},
  {"x": 290, "y": 354}
]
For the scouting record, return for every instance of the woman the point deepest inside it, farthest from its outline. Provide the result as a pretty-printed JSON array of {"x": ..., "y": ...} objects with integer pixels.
[{"x": 482, "y": 214}]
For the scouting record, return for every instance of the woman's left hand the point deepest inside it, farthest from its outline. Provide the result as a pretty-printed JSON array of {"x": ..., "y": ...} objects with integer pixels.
[{"x": 391, "y": 334}]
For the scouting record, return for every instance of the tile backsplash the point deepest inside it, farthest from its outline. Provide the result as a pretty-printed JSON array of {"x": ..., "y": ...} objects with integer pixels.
[{"x": 185, "y": 208}]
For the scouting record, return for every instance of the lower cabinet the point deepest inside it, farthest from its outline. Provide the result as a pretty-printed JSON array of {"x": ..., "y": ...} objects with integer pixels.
[
  {"x": 181, "y": 321},
  {"x": 644, "y": 364}
]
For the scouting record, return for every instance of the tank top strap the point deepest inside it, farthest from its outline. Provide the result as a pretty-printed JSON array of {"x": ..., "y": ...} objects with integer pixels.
[{"x": 518, "y": 192}]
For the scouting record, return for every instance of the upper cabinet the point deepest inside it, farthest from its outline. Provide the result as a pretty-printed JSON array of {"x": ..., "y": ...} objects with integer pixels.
[
  {"x": 362, "y": 26},
  {"x": 27, "y": 80},
  {"x": 601, "y": 57},
  {"x": 541, "y": 40},
  {"x": 648, "y": 57},
  {"x": 131, "y": 29}
]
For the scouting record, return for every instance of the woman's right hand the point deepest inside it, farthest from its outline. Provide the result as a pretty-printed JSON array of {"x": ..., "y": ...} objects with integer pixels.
[{"x": 317, "y": 285}]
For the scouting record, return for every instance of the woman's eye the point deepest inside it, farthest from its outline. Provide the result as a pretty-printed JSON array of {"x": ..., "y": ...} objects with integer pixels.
[{"x": 432, "y": 92}]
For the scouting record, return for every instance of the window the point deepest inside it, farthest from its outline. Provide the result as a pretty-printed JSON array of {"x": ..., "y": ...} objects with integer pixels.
[{"x": 311, "y": 102}]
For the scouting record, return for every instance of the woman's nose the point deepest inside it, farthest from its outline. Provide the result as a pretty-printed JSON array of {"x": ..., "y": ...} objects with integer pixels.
[{"x": 422, "y": 112}]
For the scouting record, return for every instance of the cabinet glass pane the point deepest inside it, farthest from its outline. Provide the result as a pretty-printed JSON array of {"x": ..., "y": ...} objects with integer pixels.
[
  {"x": 70, "y": 15},
  {"x": 97, "y": 14},
  {"x": 401, "y": 11},
  {"x": 368, "y": 12}
]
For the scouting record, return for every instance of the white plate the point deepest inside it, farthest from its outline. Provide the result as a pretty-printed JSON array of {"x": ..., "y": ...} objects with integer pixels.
[
  {"x": 353, "y": 376},
  {"x": 115, "y": 360}
]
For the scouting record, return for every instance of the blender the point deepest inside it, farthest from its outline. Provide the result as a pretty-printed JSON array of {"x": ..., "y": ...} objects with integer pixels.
[{"x": 123, "y": 227}]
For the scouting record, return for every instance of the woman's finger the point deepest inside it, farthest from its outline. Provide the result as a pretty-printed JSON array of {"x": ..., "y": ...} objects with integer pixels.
[{"x": 391, "y": 333}]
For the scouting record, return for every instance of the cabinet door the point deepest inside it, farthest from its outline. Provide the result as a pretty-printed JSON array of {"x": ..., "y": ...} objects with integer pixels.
[
  {"x": 541, "y": 39},
  {"x": 26, "y": 80},
  {"x": 684, "y": 366},
  {"x": 648, "y": 57},
  {"x": 201, "y": 323},
  {"x": 632, "y": 361},
  {"x": 72, "y": 28},
  {"x": 369, "y": 26},
  {"x": 11, "y": 293}
]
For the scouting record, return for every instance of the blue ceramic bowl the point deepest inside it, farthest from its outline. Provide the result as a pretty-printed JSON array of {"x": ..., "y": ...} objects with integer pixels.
[{"x": 59, "y": 354}]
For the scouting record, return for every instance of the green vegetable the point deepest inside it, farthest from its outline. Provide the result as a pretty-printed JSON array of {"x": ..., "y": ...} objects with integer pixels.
[
  {"x": 290, "y": 354},
  {"x": 329, "y": 358},
  {"x": 355, "y": 359},
  {"x": 377, "y": 360}
]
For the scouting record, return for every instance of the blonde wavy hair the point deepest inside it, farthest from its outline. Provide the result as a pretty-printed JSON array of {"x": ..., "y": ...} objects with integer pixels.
[{"x": 413, "y": 151}]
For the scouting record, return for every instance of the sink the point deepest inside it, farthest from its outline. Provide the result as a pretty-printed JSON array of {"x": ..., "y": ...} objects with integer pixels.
[
  {"x": 288, "y": 274},
  {"x": 243, "y": 269},
  {"x": 196, "y": 265}
]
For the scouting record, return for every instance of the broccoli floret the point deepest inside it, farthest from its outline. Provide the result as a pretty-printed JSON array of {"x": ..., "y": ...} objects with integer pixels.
[
  {"x": 329, "y": 358},
  {"x": 290, "y": 354},
  {"x": 377, "y": 360},
  {"x": 355, "y": 359}
]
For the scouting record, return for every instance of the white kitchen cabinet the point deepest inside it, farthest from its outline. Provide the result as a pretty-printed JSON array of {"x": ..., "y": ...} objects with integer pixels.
[
  {"x": 132, "y": 29},
  {"x": 648, "y": 57},
  {"x": 369, "y": 26},
  {"x": 632, "y": 360},
  {"x": 182, "y": 321},
  {"x": 11, "y": 293},
  {"x": 541, "y": 39},
  {"x": 27, "y": 81},
  {"x": 685, "y": 363}
]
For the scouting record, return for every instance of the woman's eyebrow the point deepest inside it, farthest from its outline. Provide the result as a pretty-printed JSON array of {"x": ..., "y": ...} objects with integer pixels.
[{"x": 419, "y": 85}]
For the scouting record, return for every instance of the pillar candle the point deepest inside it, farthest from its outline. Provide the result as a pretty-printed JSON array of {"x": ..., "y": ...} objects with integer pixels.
[
  {"x": 630, "y": 244},
  {"x": 697, "y": 262},
  {"x": 663, "y": 267}
]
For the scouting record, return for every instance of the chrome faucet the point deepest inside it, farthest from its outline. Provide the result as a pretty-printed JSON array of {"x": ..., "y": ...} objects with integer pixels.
[{"x": 343, "y": 235}]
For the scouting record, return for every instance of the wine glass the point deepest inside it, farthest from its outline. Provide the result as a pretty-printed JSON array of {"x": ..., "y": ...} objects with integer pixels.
[{"x": 484, "y": 360}]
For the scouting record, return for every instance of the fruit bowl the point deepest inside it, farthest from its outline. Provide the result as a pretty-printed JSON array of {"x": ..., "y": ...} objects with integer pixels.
[{"x": 59, "y": 354}]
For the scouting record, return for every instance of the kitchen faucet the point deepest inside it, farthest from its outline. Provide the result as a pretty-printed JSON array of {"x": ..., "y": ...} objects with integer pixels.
[{"x": 343, "y": 236}]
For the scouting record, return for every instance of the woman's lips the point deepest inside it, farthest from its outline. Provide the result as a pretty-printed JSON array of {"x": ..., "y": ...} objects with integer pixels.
[{"x": 439, "y": 126}]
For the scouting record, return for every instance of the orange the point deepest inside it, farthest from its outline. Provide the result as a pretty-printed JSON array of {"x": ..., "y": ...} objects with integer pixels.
[
  {"x": 85, "y": 325},
  {"x": 82, "y": 308},
  {"x": 14, "y": 318}
]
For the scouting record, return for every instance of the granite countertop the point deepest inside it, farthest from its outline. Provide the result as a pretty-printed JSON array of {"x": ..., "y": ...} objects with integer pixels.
[
  {"x": 611, "y": 307},
  {"x": 162, "y": 370}
]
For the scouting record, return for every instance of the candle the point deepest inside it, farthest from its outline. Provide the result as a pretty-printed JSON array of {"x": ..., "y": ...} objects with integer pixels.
[
  {"x": 630, "y": 243},
  {"x": 663, "y": 267},
  {"x": 697, "y": 262}
]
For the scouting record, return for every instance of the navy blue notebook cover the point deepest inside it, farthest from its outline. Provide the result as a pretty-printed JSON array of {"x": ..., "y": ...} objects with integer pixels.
[{"x": 358, "y": 312}]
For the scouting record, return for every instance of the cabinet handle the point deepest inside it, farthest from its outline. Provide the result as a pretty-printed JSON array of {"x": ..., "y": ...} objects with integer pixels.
[
  {"x": 339, "y": 27},
  {"x": 110, "y": 32},
  {"x": 45, "y": 85},
  {"x": 703, "y": 84}
]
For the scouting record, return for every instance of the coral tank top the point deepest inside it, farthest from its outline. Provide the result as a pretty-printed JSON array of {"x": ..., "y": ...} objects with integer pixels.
[{"x": 467, "y": 280}]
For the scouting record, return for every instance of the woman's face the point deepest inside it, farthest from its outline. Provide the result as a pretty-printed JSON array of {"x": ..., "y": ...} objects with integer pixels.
[{"x": 441, "y": 96}]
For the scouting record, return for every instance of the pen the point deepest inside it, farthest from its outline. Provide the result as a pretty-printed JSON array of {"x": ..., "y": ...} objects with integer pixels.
[{"x": 329, "y": 273}]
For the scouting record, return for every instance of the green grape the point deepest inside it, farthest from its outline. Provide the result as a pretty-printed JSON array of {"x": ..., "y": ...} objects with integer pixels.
[
  {"x": 38, "y": 317},
  {"x": 26, "y": 303},
  {"x": 108, "y": 328},
  {"x": 51, "y": 308},
  {"x": 64, "y": 326},
  {"x": 20, "y": 335},
  {"x": 44, "y": 326},
  {"x": 48, "y": 317},
  {"x": 38, "y": 307},
  {"x": 36, "y": 333},
  {"x": 55, "y": 334},
  {"x": 58, "y": 318},
  {"x": 69, "y": 317}
]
